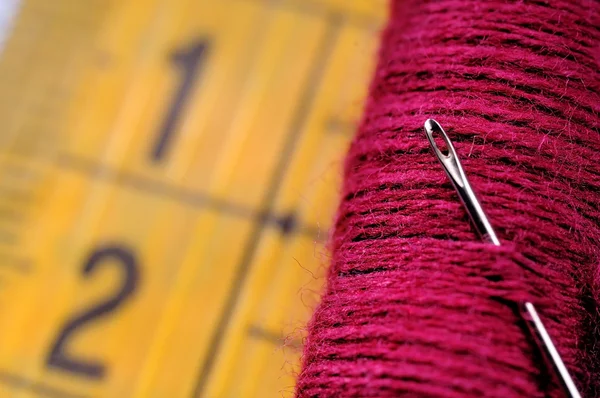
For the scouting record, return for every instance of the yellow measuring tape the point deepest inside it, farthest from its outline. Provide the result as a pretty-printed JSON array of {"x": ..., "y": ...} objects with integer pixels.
[{"x": 169, "y": 170}]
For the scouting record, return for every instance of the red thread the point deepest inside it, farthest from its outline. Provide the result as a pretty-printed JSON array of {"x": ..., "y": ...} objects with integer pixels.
[{"x": 415, "y": 304}]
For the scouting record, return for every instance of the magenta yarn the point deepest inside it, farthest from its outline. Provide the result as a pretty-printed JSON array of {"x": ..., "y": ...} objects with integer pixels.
[{"x": 415, "y": 303}]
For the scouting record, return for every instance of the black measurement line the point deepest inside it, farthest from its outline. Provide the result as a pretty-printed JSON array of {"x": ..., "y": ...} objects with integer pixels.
[
  {"x": 286, "y": 223},
  {"x": 262, "y": 334},
  {"x": 147, "y": 185},
  {"x": 312, "y": 85},
  {"x": 41, "y": 389}
]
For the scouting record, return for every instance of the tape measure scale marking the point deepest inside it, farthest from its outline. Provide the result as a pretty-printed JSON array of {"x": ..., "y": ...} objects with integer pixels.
[{"x": 106, "y": 260}]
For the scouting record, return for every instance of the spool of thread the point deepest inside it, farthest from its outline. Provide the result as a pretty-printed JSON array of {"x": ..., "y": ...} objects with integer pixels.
[{"x": 415, "y": 304}]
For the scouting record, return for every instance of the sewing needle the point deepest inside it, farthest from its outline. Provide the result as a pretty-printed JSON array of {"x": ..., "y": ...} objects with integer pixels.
[{"x": 455, "y": 172}]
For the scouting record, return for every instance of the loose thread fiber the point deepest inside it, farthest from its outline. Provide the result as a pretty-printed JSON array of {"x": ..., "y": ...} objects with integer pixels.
[{"x": 415, "y": 304}]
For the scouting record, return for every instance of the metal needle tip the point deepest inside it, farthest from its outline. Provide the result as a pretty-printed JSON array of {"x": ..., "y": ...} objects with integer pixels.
[{"x": 546, "y": 345}]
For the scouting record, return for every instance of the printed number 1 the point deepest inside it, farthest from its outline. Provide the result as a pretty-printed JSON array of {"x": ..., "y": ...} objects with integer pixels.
[{"x": 188, "y": 60}]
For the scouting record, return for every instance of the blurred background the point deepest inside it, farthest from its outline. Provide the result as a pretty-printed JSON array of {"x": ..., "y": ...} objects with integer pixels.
[{"x": 169, "y": 171}]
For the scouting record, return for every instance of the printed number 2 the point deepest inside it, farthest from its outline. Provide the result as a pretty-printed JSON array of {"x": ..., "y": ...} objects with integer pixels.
[
  {"x": 188, "y": 60},
  {"x": 58, "y": 357}
]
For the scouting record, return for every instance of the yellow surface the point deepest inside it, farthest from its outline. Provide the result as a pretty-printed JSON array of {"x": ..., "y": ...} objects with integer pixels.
[{"x": 216, "y": 244}]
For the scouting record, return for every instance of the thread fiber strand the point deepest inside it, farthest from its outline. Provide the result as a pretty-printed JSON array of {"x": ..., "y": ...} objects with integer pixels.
[{"x": 415, "y": 303}]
